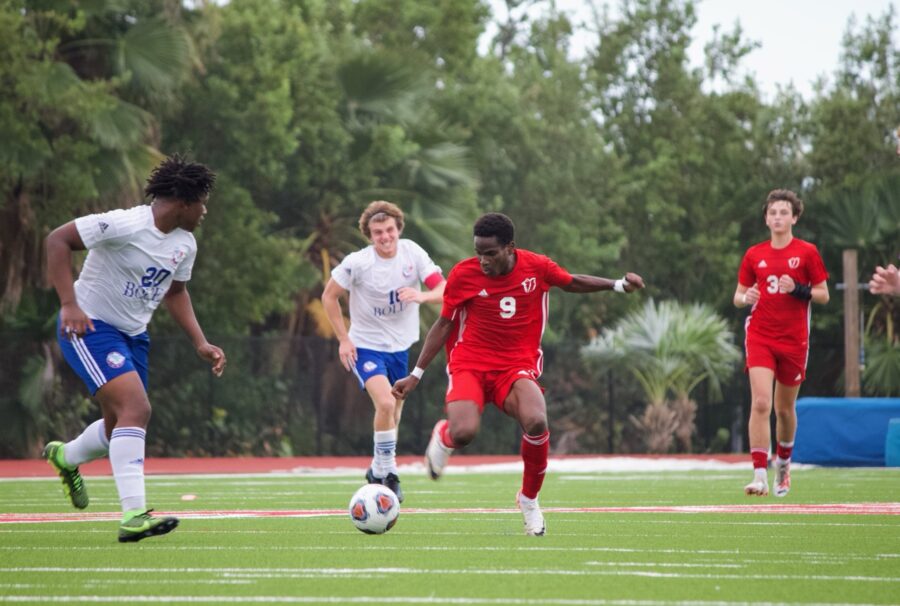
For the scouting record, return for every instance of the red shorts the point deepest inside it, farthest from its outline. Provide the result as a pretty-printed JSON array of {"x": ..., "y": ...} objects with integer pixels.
[
  {"x": 788, "y": 363},
  {"x": 485, "y": 386}
]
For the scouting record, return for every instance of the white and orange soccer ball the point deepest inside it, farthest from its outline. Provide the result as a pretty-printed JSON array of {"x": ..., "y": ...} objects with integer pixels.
[{"x": 374, "y": 509}]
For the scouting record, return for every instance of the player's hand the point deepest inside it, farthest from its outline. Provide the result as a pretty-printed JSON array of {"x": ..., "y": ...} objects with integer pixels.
[
  {"x": 752, "y": 295},
  {"x": 404, "y": 387},
  {"x": 214, "y": 355},
  {"x": 786, "y": 284},
  {"x": 408, "y": 294},
  {"x": 347, "y": 353},
  {"x": 633, "y": 282},
  {"x": 885, "y": 281},
  {"x": 73, "y": 321}
]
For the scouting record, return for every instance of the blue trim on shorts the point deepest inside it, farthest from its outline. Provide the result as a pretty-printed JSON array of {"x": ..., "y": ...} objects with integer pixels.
[
  {"x": 98, "y": 357},
  {"x": 369, "y": 363}
]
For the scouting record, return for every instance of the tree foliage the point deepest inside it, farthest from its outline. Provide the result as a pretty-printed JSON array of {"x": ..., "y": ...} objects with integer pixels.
[{"x": 625, "y": 157}]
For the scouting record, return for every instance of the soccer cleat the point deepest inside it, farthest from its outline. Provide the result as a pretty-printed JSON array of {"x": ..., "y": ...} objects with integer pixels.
[
  {"x": 393, "y": 482},
  {"x": 73, "y": 484},
  {"x": 436, "y": 455},
  {"x": 782, "y": 479},
  {"x": 143, "y": 525},
  {"x": 758, "y": 487},
  {"x": 534, "y": 519},
  {"x": 370, "y": 477}
]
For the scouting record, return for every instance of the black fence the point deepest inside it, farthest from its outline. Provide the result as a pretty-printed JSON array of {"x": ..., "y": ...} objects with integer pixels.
[{"x": 291, "y": 397}]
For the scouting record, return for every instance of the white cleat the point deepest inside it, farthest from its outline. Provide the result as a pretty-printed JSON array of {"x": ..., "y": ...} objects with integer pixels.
[
  {"x": 534, "y": 519},
  {"x": 782, "y": 479},
  {"x": 437, "y": 455},
  {"x": 758, "y": 487}
]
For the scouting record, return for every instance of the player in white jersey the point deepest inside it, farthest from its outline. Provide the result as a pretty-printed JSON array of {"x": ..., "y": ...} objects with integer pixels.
[
  {"x": 138, "y": 257},
  {"x": 382, "y": 280}
]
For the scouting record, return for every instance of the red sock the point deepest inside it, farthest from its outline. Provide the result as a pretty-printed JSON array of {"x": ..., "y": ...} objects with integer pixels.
[
  {"x": 760, "y": 457},
  {"x": 784, "y": 450},
  {"x": 534, "y": 454},
  {"x": 445, "y": 436}
]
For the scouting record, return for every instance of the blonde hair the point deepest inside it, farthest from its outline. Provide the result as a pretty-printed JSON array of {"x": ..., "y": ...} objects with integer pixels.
[{"x": 379, "y": 211}]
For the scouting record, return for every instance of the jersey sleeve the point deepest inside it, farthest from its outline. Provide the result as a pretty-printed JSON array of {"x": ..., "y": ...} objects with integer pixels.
[
  {"x": 555, "y": 275},
  {"x": 746, "y": 275},
  {"x": 817, "y": 271},
  {"x": 112, "y": 229},
  {"x": 343, "y": 273},
  {"x": 428, "y": 271},
  {"x": 453, "y": 298},
  {"x": 183, "y": 273}
]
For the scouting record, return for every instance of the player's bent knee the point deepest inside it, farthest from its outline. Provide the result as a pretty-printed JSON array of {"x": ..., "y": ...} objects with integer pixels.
[
  {"x": 535, "y": 427},
  {"x": 463, "y": 435}
]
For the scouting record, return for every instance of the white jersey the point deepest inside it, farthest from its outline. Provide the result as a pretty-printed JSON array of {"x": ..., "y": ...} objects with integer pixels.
[
  {"x": 378, "y": 319},
  {"x": 130, "y": 266}
]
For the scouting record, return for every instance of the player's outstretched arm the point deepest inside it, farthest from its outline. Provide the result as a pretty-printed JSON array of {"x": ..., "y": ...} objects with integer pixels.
[
  {"x": 585, "y": 283},
  {"x": 60, "y": 244},
  {"x": 433, "y": 295},
  {"x": 885, "y": 280},
  {"x": 437, "y": 336},
  {"x": 178, "y": 302},
  {"x": 331, "y": 304}
]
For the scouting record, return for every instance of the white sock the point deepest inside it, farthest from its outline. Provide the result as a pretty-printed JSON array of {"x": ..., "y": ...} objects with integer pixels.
[
  {"x": 761, "y": 474},
  {"x": 779, "y": 461},
  {"x": 91, "y": 444},
  {"x": 385, "y": 459},
  {"x": 126, "y": 455}
]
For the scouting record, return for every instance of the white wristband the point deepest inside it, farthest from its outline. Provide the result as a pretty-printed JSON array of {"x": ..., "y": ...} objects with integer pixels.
[
  {"x": 417, "y": 372},
  {"x": 619, "y": 286}
]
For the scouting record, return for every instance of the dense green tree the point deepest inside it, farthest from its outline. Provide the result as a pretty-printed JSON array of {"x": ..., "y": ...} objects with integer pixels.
[{"x": 696, "y": 164}]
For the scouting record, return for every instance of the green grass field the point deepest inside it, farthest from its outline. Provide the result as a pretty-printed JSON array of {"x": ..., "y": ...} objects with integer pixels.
[{"x": 454, "y": 556}]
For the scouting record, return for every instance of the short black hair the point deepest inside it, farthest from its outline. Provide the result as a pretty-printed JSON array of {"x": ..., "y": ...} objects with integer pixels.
[
  {"x": 498, "y": 225},
  {"x": 179, "y": 179}
]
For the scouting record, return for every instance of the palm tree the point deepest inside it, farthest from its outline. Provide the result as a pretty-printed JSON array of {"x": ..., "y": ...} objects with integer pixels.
[
  {"x": 670, "y": 349},
  {"x": 85, "y": 84},
  {"x": 92, "y": 81}
]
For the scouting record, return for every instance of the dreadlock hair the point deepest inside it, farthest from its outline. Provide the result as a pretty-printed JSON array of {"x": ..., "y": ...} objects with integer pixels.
[
  {"x": 497, "y": 225},
  {"x": 179, "y": 179}
]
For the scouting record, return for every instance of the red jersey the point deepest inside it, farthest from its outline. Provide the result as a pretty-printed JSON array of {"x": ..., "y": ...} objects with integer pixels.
[
  {"x": 776, "y": 315},
  {"x": 501, "y": 319}
]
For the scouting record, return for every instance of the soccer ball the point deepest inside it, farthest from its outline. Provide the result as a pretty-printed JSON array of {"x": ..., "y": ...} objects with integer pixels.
[{"x": 374, "y": 509}]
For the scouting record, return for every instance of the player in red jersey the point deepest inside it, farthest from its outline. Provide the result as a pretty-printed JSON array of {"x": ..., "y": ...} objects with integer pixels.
[
  {"x": 495, "y": 310},
  {"x": 778, "y": 278}
]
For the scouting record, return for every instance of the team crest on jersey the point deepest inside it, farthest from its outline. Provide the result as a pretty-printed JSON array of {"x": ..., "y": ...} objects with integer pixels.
[
  {"x": 178, "y": 256},
  {"x": 529, "y": 284},
  {"x": 115, "y": 359},
  {"x": 794, "y": 262}
]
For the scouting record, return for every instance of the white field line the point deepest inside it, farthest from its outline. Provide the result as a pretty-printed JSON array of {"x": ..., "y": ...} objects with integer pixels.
[
  {"x": 759, "y": 508},
  {"x": 289, "y": 573},
  {"x": 428, "y": 600},
  {"x": 554, "y": 465},
  {"x": 807, "y": 557}
]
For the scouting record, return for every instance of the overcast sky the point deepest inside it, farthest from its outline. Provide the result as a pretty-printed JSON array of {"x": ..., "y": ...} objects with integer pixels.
[{"x": 800, "y": 39}]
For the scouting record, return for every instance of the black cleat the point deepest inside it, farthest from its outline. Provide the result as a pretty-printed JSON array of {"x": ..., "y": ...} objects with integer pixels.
[
  {"x": 393, "y": 482},
  {"x": 371, "y": 479}
]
